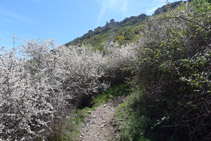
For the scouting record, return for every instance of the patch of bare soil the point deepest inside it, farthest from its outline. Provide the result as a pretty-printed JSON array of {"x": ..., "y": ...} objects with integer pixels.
[{"x": 99, "y": 125}]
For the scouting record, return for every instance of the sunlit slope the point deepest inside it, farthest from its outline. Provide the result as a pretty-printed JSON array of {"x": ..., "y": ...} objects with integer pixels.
[{"x": 121, "y": 32}]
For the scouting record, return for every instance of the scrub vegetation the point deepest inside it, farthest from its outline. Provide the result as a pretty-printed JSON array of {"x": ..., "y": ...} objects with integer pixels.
[{"x": 46, "y": 91}]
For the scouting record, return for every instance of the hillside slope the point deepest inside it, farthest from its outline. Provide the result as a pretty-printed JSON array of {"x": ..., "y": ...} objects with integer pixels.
[{"x": 121, "y": 32}]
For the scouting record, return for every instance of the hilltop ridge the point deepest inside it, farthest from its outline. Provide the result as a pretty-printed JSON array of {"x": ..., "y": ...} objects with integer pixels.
[{"x": 125, "y": 31}]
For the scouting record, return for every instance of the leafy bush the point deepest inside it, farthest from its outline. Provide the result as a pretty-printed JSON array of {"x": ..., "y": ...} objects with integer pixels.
[
  {"x": 131, "y": 125},
  {"x": 174, "y": 73}
]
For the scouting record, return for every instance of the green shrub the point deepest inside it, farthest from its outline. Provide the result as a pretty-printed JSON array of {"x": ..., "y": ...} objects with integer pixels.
[
  {"x": 118, "y": 90},
  {"x": 174, "y": 74},
  {"x": 131, "y": 126}
]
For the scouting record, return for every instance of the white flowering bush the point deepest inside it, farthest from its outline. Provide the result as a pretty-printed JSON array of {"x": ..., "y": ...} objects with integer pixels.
[
  {"x": 23, "y": 96},
  {"x": 120, "y": 61},
  {"x": 40, "y": 83},
  {"x": 34, "y": 86}
]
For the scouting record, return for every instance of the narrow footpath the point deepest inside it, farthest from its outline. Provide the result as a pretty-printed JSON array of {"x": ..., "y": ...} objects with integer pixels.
[{"x": 100, "y": 125}]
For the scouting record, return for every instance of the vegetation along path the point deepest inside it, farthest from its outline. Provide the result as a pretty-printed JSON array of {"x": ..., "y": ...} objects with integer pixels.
[{"x": 99, "y": 125}]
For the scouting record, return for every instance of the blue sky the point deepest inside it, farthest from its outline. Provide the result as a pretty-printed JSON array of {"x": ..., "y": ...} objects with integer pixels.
[{"x": 64, "y": 20}]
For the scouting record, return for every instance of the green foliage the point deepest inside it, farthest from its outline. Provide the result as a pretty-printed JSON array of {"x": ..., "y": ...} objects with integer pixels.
[
  {"x": 174, "y": 74},
  {"x": 70, "y": 130},
  {"x": 131, "y": 126},
  {"x": 118, "y": 90}
]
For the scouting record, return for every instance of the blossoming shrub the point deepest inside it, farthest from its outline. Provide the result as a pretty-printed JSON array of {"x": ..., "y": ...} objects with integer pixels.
[
  {"x": 36, "y": 86},
  {"x": 120, "y": 62},
  {"x": 41, "y": 82},
  {"x": 25, "y": 109}
]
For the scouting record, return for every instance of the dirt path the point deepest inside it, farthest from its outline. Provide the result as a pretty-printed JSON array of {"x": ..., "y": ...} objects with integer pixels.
[{"x": 99, "y": 125}]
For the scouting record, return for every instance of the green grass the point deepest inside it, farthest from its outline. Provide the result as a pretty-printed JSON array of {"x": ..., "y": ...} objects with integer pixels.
[
  {"x": 71, "y": 127},
  {"x": 130, "y": 125},
  {"x": 118, "y": 90},
  {"x": 97, "y": 39}
]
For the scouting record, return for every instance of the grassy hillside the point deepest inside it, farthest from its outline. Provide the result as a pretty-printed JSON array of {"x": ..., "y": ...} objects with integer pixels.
[
  {"x": 128, "y": 30},
  {"x": 123, "y": 31}
]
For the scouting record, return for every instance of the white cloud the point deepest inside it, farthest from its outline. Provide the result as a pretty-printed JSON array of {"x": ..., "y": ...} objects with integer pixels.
[
  {"x": 125, "y": 6},
  {"x": 156, "y": 4},
  {"x": 151, "y": 11},
  {"x": 102, "y": 12},
  {"x": 117, "y": 5},
  {"x": 15, "y": 16}
]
